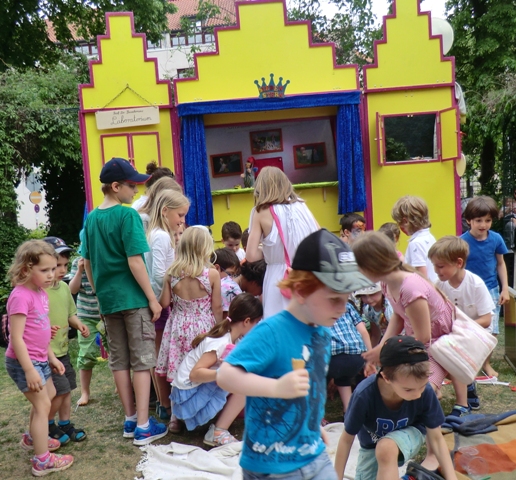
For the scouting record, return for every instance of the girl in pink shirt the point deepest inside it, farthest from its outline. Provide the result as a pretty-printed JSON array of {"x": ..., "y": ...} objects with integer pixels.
[
  {"x": 419, "y": 308},
  {"x": 29, "y": 358}
]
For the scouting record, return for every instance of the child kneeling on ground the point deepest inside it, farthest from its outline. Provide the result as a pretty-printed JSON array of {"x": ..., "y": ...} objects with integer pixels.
[
  {"x": 196, "y": 396},
  {"x": 391, "y": 412},
  {"x": 281, "y": 365}
]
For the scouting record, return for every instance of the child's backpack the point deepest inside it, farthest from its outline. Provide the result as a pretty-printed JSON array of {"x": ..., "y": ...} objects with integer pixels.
[{"x": 4, "y": 338}]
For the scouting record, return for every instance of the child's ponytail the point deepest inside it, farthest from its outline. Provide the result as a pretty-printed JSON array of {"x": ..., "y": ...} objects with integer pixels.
[{"x": 243, "y": 306}]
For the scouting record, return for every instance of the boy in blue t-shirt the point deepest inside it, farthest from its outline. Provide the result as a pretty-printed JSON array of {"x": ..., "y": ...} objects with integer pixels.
[
  {"x": 391, "y": 412},
  {"x": 281, "y": 365},
  {"x": 486, "y": 251}
]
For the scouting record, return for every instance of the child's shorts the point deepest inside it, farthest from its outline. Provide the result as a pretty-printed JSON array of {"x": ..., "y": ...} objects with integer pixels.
[
  {"x": 16, "y": 372},
  {"x": 160, "y": 323},
  {"x": 320, "y": 468},
  {"x": 67, "y": 382},
  {"x": 494, "y": 328},
  {"x": 344, "y": 368},
  {"x": 409, "y": 441}
]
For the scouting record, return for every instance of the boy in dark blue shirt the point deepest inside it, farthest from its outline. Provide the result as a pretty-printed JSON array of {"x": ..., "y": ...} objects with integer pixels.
[{"x": 391, "y": 413}]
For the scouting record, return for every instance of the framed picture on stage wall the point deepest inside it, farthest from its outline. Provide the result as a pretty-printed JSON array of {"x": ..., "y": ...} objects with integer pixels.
[
  {"x": 226, "y": 164},
  {"x": 266, "y": 141},
  {"x": 310, "y": 155}
]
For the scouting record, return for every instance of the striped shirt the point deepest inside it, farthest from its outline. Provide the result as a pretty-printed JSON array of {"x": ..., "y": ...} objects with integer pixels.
[
  {"x": 345, "y": 337},
  {"x": 87, "y": 303}
]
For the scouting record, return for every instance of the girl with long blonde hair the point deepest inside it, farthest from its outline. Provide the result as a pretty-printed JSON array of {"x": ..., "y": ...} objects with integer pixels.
[
  {"x": 166, "y": 216},
  {"x": 192, "y": 285},
  {"x": 279, "y": 221},
  {"x": 419, "y": 308}
]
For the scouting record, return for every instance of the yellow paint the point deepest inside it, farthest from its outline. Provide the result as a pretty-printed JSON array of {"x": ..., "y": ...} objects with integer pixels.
[
  {"x": 409, "y": 59},
  {"x": 261, "y": 46},
  {"x": 241, "y": 205},
  {"x": 123, "y": 64}
]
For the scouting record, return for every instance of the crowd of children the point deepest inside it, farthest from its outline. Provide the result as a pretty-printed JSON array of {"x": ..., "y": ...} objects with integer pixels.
[{"x": 187, "y": 317}]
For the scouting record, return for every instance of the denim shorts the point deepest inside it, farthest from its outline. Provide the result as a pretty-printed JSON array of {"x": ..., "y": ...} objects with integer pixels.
[
  {"x": 494, "y": 328},
  {"x": 320, "y": 468},
  {"x": 409, "y": 441},
  {"x": 68, "y": 381},
  {"x": 16, "y": 372}
]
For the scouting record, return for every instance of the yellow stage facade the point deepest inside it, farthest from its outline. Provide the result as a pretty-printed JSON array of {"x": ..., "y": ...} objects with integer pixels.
[{"x": 271, "y": 96}]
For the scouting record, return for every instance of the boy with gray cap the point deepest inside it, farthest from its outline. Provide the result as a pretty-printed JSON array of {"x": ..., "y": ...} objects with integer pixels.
[
  {"x": 113, "y": 248},
  {"x": 281, "y": 365}
]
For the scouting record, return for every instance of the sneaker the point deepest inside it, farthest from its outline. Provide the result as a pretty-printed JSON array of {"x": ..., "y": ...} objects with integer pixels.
[
  {"x": 54, "y": 463},
  {"x": 155, "y": 430},
  {"x": 129, "y": 428},
  {"x": 215, "y": 437},
  {"x": 460, "y": 411},
  {"x": 473, "y": 400},
  {"x": 28, "y": 444}
]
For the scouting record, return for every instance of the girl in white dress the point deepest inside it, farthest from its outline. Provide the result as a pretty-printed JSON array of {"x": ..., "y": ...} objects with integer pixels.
[{"x": 273, "y": 191}]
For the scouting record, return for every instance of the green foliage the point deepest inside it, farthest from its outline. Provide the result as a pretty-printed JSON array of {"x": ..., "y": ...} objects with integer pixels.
[
  {"x": 485, "y": 58},
  {"x": 23, "y": 37},
  {"x": 11, "y": 235},
  {"x": 353, "y": 28}
]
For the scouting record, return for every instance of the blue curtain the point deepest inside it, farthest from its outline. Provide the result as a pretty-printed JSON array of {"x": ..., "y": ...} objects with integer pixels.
[
  {"x": 350, "y": 165},
  {"x": 196, "y": 179}
]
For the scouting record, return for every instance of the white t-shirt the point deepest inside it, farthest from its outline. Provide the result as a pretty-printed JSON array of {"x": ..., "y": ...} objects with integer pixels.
[
  {"x": 417, "y": 252},
  {"x": 471, "y": 296},
  {"x": 217, "y": 345},
  {"x": 159, "y": 259},
  {"x": 240, "y": 254},
  {"x": 139, "y": 203}
]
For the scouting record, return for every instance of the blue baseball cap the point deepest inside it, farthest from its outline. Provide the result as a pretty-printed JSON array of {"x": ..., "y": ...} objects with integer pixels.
[{"x": 119, "y": 170}]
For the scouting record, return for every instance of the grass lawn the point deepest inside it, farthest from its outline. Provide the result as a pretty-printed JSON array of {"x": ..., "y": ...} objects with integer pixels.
[{"x": 105, "y": 455}]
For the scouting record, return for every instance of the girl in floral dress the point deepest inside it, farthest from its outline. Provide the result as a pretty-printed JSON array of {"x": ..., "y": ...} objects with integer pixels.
[{"x": 192, "y": 285}]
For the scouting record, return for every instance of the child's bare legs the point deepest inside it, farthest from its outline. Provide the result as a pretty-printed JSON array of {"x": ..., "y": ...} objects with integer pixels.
[
  {"x": 141, "y": 385},
  {"x": 85, "y": 376},
  {"x": 61, "y": 404},
  {"x": 461, "y": 392},
  {"x": 387, "y": 456},
  {"x": 38, "y": 425},
  {"x": 233, "y": 407},
  {"x": 345, "y": 396},
  {"x": 488, "y": 369},
  {"x": 161, "y": 384}
]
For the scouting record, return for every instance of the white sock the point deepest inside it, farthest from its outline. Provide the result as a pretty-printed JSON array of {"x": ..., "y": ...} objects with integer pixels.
[
  {"x": 145, "y": 425},
  {"x": 132, "y": 418}
]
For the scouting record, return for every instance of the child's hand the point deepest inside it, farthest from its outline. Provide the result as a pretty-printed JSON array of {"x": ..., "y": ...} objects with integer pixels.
[
  {"x": 53, "y": 330},
  {"x": 34, "y": 381},
  {"x": 373, "y": 355},
  {"x": 504, "y": 297},
  {"x": 85, "y": 331},
  {"x": 369, "y": 369},
  {"x": 293, "y": 384},
  {"x": 57, "y": 366},
  {"x": 155, "y": 308},
  {"x": 80, "y": 264}
]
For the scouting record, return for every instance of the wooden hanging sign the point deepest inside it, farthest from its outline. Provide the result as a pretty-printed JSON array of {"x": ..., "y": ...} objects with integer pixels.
[{"x": 126, "y": 117}]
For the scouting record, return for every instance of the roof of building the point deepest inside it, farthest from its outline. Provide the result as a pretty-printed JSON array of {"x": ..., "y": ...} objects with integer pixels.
[{"x": 185, "y": 8}]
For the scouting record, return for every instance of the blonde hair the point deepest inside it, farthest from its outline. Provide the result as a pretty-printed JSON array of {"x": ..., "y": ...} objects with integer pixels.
[
  {"x": 27, "y": 255},
  {"x": 273, "y": 187},
  {"x": 164, "y": 183},
  {"x": 166, "y": 199},
  {"x": 414, "y": 210},
  {"x": 449, "y": 249},
  {"x": 193, "y": 253}
]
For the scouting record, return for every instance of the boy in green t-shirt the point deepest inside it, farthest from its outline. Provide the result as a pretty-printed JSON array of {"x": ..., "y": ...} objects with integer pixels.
[
  {"x": 63, "y": 313},
  {"x": 113, "y": 248}
]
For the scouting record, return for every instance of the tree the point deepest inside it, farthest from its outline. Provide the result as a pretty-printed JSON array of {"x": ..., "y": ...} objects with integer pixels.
[
  {"x": 485, "y": 55},
  {"x": 24, "y": 40}
]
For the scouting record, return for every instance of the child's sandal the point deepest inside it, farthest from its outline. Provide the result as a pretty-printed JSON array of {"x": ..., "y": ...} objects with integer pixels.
[
  {"x": 75, "y": 434},
  {"x": 56, "y": 432}
]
